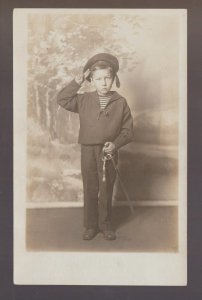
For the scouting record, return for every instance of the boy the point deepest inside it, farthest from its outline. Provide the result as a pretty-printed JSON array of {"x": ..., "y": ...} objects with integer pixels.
[{"x": 105, "y": 125}]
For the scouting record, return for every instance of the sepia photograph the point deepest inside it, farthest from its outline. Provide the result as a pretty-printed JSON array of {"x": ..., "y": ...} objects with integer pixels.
[{"x": 100, "y": 146}]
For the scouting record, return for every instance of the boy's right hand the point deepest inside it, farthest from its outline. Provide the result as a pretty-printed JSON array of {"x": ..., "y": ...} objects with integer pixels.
[{"x": 81, "y": 77}]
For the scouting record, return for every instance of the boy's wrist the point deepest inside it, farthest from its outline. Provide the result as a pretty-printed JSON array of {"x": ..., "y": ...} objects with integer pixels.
[{"x": 116, "y": 145}]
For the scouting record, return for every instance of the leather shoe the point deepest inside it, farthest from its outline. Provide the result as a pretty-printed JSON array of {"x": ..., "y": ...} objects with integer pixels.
[
  {"x": 109, "y": 235},
  {"x": 89, "y": 234}
]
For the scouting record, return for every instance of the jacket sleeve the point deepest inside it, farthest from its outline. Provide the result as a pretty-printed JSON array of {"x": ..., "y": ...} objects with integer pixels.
[
  {"x": 68, "y": 97},
  {"x": 126, "y": 134}
]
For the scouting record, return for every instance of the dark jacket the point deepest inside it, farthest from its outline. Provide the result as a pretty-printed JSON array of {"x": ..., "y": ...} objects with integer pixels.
[{"x": 97, "y": 126}]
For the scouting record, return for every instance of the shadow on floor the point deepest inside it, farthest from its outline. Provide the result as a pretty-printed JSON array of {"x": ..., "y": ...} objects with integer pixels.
[
  {"x": 149, "y": 229},
  {"x": 121, "y": 216}
]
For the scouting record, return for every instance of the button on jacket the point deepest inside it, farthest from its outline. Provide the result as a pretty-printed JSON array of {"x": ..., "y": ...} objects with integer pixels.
[{"x": 97, "y": 126}]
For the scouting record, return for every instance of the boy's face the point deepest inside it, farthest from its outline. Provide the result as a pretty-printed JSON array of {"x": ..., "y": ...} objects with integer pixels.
[{"x": 102, "y": 80}]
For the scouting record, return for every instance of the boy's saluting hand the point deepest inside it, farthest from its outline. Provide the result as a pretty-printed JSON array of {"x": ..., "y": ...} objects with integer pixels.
[{"x": 81, "y": 76}]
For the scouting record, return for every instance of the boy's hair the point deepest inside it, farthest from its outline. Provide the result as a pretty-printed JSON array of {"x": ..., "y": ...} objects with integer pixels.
[{"x": 101, "y": 64}]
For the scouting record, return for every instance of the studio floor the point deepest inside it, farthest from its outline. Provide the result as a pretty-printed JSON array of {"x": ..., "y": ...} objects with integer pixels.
[{"x": 149, "y": 229}]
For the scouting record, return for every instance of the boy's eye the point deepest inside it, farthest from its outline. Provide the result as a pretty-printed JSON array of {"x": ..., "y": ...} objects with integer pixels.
[{"x": 99, "y": 78}]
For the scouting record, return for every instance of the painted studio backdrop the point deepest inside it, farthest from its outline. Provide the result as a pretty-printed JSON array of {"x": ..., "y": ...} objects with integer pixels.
[{"x": 148, "y": 51}]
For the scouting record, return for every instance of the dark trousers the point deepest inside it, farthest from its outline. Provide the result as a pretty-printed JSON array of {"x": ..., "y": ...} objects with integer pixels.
[{"x": 97, "y": 193}]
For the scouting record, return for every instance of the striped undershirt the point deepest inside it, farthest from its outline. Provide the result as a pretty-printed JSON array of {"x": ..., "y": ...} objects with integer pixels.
[{"x": 104, "y": 100}]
